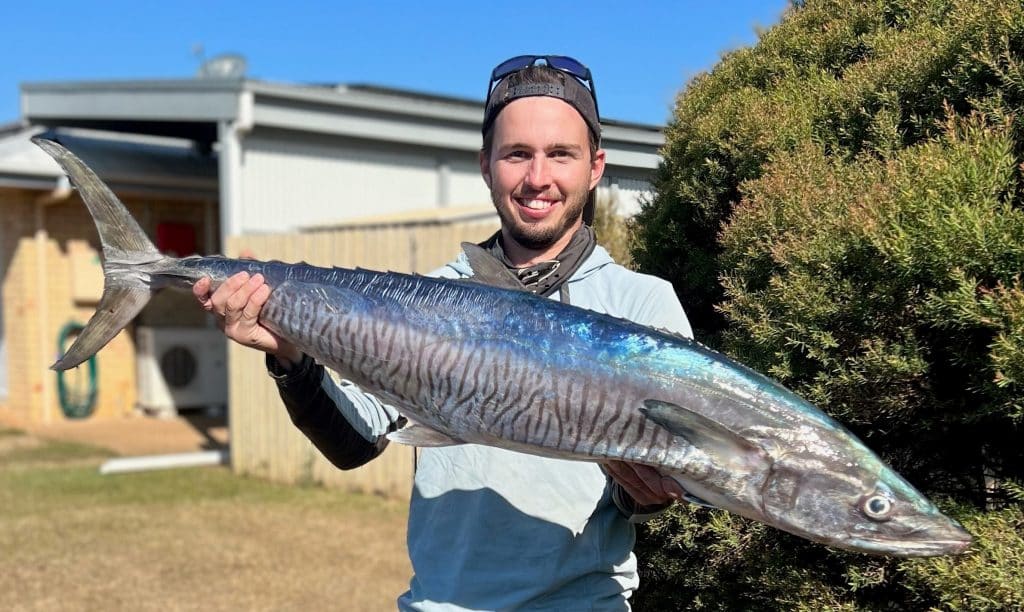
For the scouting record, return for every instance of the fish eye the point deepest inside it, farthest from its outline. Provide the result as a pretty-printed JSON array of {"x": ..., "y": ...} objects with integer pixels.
[{"x": 877, "y": 507}]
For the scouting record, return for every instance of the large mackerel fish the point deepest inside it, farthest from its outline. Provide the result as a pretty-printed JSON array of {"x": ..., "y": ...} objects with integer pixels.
[{"x": 473, "y": 363}]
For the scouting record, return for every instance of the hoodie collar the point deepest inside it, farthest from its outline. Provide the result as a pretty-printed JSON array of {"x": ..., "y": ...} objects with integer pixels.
[
  {"x": 598, "y": 259},
  {"x": 544, "y": 278}
]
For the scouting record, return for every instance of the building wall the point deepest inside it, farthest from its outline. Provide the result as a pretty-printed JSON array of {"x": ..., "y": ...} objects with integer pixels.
[
  {"x": 291, "y": 180},
  {"x": 42, "y": 272},
  {"x": 15, "y": 227},
  {"x": 627, "y": 188},
  {"x": 5, "y": 257}
]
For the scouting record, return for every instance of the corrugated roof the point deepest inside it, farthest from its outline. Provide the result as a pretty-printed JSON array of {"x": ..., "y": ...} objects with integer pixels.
[
  {"x": 148, "y": 162},
  {"x": 193, "y": 107}
]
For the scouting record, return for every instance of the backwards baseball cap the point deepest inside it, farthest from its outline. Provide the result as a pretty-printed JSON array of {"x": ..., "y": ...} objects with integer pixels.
[{"x": 576, "y": 88}]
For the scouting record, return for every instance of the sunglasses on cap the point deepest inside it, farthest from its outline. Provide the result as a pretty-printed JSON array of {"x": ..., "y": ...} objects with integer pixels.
[{"x": 562, "y": 63}]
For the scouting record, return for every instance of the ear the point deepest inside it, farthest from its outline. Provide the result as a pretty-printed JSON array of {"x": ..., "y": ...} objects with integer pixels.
[
  {"x": 597, "y": 168},
  {"x": 485, "y": 168}
]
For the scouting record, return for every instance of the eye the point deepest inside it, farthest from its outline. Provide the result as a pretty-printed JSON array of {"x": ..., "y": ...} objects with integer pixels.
[{"x": 877, "y": 508}]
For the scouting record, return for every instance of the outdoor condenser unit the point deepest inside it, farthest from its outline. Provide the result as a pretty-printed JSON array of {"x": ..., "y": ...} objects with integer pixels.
[{"x": 180, "y": 368}]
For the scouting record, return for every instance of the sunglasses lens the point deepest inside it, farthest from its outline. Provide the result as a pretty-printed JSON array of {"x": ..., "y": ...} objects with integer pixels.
[
  {"x": 568, "y": 64},
  {"x": 514, "y": 64}
]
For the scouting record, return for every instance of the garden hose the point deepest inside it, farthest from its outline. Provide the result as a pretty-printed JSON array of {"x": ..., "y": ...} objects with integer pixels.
[{"x": 77, "y": 397}]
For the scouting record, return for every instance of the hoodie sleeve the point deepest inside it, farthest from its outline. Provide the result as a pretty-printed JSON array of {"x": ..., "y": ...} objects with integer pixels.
[
  {"x": 660, "y": 309},
  {"x": 347, "y": 426}
]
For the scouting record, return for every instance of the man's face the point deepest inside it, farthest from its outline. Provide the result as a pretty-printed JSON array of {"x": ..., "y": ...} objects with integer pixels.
[{"x": 539, "y": 170}]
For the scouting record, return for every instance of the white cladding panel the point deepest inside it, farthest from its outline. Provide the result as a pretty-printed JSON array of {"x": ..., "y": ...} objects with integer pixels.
[
  {"x": 287, "y": 182},
  {"x": 291, "y": 183},
  {"x": 465, "y": 185},
  {"x": 628, "y": 192}
]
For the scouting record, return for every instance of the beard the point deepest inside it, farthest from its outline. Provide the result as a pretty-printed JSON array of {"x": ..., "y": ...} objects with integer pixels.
[{"x": 539, "y": 236}]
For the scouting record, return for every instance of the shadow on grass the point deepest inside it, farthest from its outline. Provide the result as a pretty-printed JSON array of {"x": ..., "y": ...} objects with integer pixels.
[
  {"x": 53, "y": 451},
  {"x": 205, "y": 425}
]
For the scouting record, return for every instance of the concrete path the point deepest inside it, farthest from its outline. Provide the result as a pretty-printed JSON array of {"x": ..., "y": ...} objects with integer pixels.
[{"x": 142, "y": 435}]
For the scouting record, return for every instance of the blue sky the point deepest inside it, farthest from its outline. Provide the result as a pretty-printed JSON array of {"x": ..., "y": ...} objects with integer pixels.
[{"x": 642, "y": 53}]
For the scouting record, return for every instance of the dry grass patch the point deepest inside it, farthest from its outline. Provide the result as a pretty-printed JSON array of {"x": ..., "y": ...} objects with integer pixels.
[{"x": 189, "y": 539}]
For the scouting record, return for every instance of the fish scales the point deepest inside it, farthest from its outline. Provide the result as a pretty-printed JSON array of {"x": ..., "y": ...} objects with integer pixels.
[{"x": 481, "y": 364}]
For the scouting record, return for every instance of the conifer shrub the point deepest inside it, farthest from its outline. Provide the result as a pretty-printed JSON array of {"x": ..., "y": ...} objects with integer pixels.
[
  {"x": 840, "y": 207},
  {"x": 611, "y": 227}
]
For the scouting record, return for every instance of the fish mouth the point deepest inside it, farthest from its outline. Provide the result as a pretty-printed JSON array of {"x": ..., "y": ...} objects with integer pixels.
[{"x": 950, "y": 544}]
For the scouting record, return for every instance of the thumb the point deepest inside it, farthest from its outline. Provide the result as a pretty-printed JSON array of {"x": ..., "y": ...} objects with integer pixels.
[{"x": 672, "y": 488}]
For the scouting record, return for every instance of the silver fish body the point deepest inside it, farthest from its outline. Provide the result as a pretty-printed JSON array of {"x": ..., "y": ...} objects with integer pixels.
[{"x": 468, "y": 362}]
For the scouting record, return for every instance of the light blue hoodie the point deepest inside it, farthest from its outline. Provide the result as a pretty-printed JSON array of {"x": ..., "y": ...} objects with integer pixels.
[{"x": 491, "y": 529}]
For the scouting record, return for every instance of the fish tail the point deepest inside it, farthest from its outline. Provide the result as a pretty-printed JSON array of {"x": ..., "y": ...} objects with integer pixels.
[{"x": 124, "y": 244}]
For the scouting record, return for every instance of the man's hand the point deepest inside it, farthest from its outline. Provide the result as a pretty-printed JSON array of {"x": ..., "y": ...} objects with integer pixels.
[
  {"x": 644, "y": 484},
  {"x": 236, "y": 305}
]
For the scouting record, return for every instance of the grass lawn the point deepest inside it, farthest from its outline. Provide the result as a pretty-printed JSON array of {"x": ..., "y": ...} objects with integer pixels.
[{"x": 202, "y": 538}]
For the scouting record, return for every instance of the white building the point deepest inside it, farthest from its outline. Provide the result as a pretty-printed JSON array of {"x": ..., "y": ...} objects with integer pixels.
[
  {"x": 223, "y": 157},
  {"x": 298, "y": 155}
]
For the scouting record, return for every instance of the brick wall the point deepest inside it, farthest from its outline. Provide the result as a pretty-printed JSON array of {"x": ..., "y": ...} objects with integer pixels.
[{"x": 37, "y": 300}]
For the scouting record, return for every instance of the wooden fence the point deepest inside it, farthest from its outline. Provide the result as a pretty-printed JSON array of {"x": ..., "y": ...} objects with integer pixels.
[{"x": 263, "y": 440}]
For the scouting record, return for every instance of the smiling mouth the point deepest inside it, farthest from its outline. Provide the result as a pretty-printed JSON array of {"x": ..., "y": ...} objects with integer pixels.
[{"x": 535, "y": 204}]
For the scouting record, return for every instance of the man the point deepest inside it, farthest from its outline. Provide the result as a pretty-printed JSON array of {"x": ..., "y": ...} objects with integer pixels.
[{"x": 493, "y": 529}]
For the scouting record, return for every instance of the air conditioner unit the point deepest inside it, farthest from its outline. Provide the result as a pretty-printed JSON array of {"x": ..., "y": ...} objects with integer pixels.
[{"x": 181, "y": 367}]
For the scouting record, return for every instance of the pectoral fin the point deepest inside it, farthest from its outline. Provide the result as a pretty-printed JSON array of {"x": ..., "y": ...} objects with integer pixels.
[
  {"x": 700, "y": 431},
  {"x": 421, "y": 435}
]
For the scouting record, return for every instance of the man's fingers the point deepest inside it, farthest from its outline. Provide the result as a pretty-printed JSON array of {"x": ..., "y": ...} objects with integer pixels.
[
  {"x": 236, "y": 304},
  {"x": 256, "y": 301},
  {"x": 628, "y": 477},
  {"x": 652, "y": 479},
  {"x": 672, "y": 488},
  {"x": 241, "y": 296},
  {"x": 643, "y": 483},
  {"x": 624, "y": 473},
  {"x": 202, "y": 288},
  {"x": 223, "y": 293}
]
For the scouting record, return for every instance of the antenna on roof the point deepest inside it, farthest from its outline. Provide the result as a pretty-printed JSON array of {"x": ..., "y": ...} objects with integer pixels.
[{"x": 224, "y": 66}]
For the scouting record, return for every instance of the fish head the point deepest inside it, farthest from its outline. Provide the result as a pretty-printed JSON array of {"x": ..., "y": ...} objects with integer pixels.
[{"x": 862, "y": 506}]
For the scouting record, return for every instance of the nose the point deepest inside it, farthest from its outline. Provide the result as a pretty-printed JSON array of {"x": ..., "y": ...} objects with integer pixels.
[{"x": 539, "y": 175}]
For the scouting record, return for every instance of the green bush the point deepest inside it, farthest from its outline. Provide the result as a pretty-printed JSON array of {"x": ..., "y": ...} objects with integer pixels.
[
  {"x": 840, "y": 206},
  {"x": 611, "y": 228},
  {"x": 851, "y": 77},
  {"x": 989, "y": 577}
]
